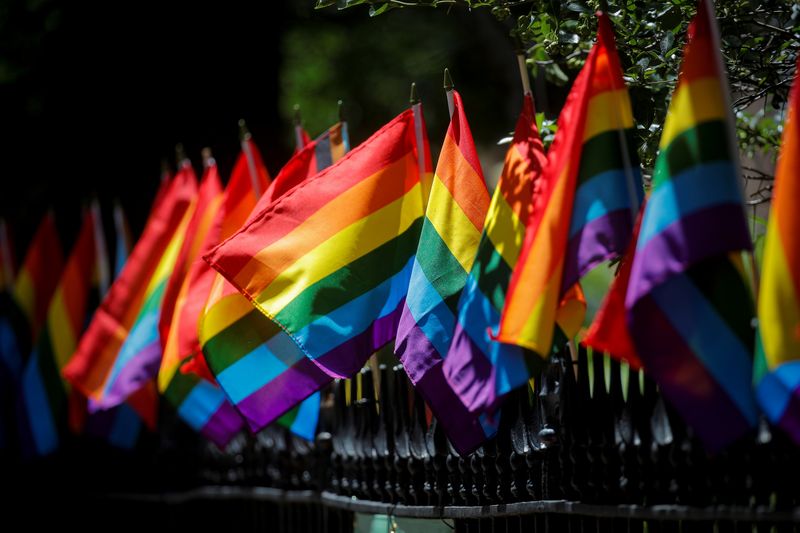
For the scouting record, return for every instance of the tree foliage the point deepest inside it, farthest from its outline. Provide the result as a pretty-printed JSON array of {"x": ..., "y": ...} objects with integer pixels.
[{"x": 760, "y": 41}]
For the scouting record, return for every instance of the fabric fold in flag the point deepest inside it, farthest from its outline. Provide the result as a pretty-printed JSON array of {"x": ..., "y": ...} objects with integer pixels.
[
  {"x": 777, "y": 364},
  {"x": 95, "y": 368},
  {"x": 451, "y": 230},
  {"x": 583, "y": 205},
  {"x": 328, "y": 263},
  {"x": 478, "y": 369},
  {"x": 688, "y": 303}
]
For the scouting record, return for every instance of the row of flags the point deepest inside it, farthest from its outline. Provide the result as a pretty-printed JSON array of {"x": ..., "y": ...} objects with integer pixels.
[{"x": 238, "y": 304}]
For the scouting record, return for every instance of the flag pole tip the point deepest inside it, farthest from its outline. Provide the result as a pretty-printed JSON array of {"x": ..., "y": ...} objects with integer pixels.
[
  {"x": 414, "y": 98},
  {"x": 448, "y": 81},
  {"x": 180, "y": 153},
  {"x": 244, "y": 132},
  {"x": 208, "y": 157},
  {"x": 298, "y": 119},
  {"x": 340, "y": 108}
]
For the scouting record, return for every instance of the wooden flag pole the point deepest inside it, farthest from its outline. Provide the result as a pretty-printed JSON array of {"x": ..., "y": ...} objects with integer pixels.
[
  {"x": 245, "y": 138},
  {"x": 416, "y": 108},
  {"x": 448, "y": 87},
  {"x": 180, "y": 156},
  {"x": 343, "y": 121},
  {"x": 523, "y": 74},
  {"x": 101, "y": 248},
  {"x": 298, "y": 128}
]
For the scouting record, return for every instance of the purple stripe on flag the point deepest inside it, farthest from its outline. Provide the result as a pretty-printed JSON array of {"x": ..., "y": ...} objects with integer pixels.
[
  {"x": 693, "y": 238},
  {"x": 291, "y": 387},
  {"x": 683, "y": 379},
  {"x": 131, "y": 377},
  {"x": 349, "y": 357},
  {"x": 305, "y": 377},
  {"x": 414, "y": 343},
  {"x": 461, "y": 426},
  {"x": 475, "y": 379},
  {"x": 599, "y": 240},
  {"x": 223, "y": 425}
]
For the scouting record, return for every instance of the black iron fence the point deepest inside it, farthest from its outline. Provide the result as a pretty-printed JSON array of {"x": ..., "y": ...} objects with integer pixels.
[{"x": 589, "y": 446}]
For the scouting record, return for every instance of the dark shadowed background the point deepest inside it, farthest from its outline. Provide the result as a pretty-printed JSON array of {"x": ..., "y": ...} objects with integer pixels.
[{"x": 94, "y": 95}]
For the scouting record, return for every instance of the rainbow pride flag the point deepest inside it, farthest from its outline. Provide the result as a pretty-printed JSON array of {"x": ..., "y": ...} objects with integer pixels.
[
  {"x": 479, "y": 370},
  {"x": 329, "y": 263},
  {"x": 199, "y": 402},
  {"x": 777, "y": 363},
  {"x": 44, "y": 393},
  {"x": 26, "y": 308},
  {"x": 231, "y": 327},
  {"x": 583, "y": 209},
  {"x": 96, "y": 369},
  {"x": 451, "y": 230},
  {"x": 139, "y": 356},
  {"x": 689, "y": 305}
]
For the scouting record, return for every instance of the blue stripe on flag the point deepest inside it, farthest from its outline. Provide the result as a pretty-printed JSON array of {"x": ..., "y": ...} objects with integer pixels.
[
  {"x": 354, "y": 317},
  {"x": 599, "y": 195},
  {"x": 698, "y": 188},
  {"x": 776, "y": 388},
  {"x": 305, "y": 423},
  {"x": 126, "y": 427},
  {"x": 429, "y": 311},
  {"x": 37, "y": 407},
  {"x": 710, "y": 339},
  {"x": 200, "y": 404},
  {"x": 476, "y": 314},
  {"x": 259, "y": 367}
]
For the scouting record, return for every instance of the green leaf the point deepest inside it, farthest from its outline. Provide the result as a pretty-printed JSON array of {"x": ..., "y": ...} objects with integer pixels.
[
  {"x": 375, "y": 9},
  {"x": 579, "y": 7},
  {"x": 666, "y": 42}
]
